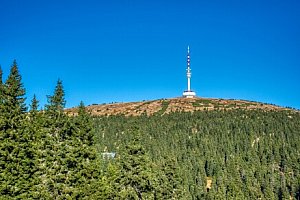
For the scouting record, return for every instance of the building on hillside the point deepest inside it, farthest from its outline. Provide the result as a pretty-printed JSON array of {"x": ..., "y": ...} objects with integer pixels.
[{"x": 108, "y": 155}]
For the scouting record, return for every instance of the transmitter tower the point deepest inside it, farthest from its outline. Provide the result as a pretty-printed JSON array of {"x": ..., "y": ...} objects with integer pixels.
[{"x": 189, "y": 93}]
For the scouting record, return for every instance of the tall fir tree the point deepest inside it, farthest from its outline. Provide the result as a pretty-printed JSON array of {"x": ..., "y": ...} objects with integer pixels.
[
  {"x": 82, "y": 157},
  {"x": 1, "y": 75},
  {"x": 55, "y": 129},
  {"x": 84, "y": 126},
  {"x": 34, "y": 104},
  {"x": 57, "y": 101},
  {"x": 68, "y": 161},
  {"x": 12, "y": 99},
  {"x": 15, "y": 140},
  {"x": 1, "y": 82},
  {"x": 15, "y": 92},
  {"x": 1, "y": 97}
]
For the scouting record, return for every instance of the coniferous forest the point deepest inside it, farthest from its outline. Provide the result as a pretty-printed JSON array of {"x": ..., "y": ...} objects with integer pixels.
[{"x": 233, "y": 154}]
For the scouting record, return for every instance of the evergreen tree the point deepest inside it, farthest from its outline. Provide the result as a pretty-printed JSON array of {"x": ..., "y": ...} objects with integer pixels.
[
  {"x": 82, "y": 161},
  {"x": 170, "y": 183},
  {"x": 1, "y": 85},
  {"x": 56, "y": 103},
  {"x": 34, "y": 104},
  {"x": 135, "y": 178},
  {"x": 12, "y": 100},
  {"x": 84, "y": 126},
  {"x": 1, "y": 99},
  {"x": 69, "y": 165},
  {"x": 82, "y": 110},
  {"x": 1, "y": 88},
  {"x": 15, "y": 140},
  {"x": 1, "y": 76},
  {"x": 55, "y": 129},
  {"x": 14, "y": 91}
]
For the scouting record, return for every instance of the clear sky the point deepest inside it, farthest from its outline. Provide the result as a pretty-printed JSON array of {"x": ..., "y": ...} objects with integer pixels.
[{"x": 132, "y": 50}]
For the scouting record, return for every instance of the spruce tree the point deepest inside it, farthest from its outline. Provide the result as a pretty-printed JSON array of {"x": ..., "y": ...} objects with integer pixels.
[
  {"x": 15, "y": 92},
  {"x": 68, "y": 162},
  {"x": 15, "y": 140},
  {"x": 136, "y": 178},
  {"x": 1, "y": 99},
  {"x": 34, "y": 104},
  {"x": 57, "y": 102},
  {"x": 1, "y": 85},
  {"x": 13, "y": 99},
  {"x": 55, "y": 129},
  {"x": 169, "y": 180},
  {"x": 84, "y": 126},
  {"x": 1, "y": 75},
  {"x": 82, "y": 161}
]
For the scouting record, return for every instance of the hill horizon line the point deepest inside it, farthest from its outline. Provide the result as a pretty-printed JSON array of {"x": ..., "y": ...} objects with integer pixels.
[{"x": 168, "y": 105}]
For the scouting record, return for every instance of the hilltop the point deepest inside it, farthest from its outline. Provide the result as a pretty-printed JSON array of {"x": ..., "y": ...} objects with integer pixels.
[{"x": 165, "y": 106}]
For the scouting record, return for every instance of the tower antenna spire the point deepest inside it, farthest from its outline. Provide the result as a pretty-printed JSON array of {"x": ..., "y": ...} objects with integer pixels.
[{"x": 189, "y": 93}]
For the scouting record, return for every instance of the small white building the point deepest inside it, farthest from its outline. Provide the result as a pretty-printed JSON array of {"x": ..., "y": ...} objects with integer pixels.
[{"x": 108, "y": 155}]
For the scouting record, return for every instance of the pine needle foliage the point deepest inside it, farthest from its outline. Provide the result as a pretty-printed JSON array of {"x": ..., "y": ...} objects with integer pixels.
[
  {"x": 237, "y": 154},
  {"x": 45, "y": 154},
  {"x": 57, "y": 102},
  {"x": 136, "y": 178}
]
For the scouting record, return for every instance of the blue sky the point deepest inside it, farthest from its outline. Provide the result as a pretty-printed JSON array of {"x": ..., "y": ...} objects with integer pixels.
[{"x": 133, "y": 50}]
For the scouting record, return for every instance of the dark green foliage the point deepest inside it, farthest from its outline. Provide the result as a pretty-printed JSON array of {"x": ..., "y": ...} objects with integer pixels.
[
  {"x": 15, "y": 139},
  {"x": 164, "y": 107},
  {"x": 34, "y": 104},
  {"x": 14, "y": 91},
  {"x": 169, "y": 180},
  {"x": 57, "y": 100},
  {"x": 68, "y": 161},
  {"x": 45, "y": 155},
  {"x": 13, "y": 98},
  {"x": 82, "y": 110},
  {"x": 246, "y": 154},
  {"x": 1, "y": 97},
  {"x": 235, "y": 154},
  {"x": 1, "y": 76},
  {"x": 135, "y": 177}
]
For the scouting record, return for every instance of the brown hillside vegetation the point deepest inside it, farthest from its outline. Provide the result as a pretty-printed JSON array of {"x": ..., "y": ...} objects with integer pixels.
[{"x": 164, "y": 106}]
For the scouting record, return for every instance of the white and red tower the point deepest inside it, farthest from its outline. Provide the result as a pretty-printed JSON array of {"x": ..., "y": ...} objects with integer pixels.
[{"x": 188, "y": 93}]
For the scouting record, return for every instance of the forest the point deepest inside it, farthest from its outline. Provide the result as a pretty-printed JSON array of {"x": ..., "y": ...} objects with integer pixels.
[{"x": 233, "y": 154}]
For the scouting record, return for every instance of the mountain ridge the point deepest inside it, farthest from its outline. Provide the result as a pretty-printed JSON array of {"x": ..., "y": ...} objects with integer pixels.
[{"x": 165, "y": 106}]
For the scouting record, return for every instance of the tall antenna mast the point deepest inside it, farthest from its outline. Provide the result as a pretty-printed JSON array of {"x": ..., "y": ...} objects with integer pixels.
[
  {"x": 189, "y": 93},
  {"x": 188, "y": 70}
]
